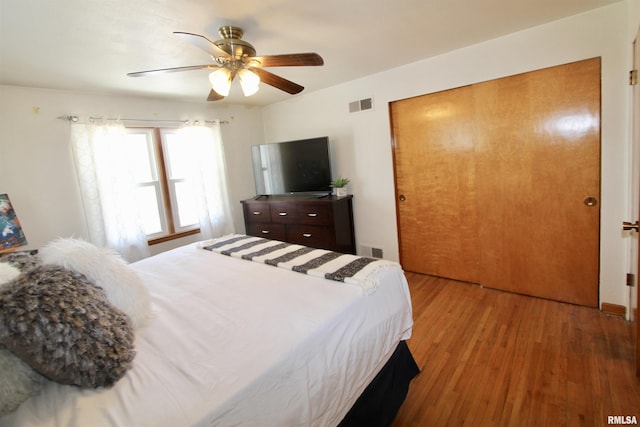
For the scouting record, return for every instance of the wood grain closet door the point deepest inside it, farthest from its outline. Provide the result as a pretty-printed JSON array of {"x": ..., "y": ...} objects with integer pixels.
[
  {"x": 538, "y": 160},
  {"x": 496, "y": 182},
  {"x": 435, "y": 160}
]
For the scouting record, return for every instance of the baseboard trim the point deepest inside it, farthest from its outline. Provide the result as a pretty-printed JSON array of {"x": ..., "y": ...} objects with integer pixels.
[{"x": 614, "y": 309}]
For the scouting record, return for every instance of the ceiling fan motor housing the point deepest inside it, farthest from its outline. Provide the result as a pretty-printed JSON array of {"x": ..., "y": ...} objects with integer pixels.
[{"x": 232, "y": 43}]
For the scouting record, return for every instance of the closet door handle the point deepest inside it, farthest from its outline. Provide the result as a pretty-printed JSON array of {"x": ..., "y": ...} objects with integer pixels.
[{"x": 402, "y": 198}]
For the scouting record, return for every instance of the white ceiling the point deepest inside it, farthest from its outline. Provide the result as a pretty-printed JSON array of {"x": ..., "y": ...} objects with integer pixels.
[{"x": 90, "y": 45}]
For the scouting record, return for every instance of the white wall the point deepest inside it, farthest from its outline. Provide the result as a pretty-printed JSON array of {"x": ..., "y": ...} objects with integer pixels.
[
  {"x": 36, "y": 164},
  {"x": 362, "y": 143}
]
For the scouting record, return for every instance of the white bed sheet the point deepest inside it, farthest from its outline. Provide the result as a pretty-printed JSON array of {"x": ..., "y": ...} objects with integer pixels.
[{"x": 238, "y": 343}]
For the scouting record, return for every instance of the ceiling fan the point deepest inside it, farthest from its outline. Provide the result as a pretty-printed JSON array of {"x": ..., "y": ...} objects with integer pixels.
[{"x": 236, "y": 57}]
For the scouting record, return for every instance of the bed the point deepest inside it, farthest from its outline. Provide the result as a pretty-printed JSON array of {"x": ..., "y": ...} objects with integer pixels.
[{"x": 238, "y": 342}]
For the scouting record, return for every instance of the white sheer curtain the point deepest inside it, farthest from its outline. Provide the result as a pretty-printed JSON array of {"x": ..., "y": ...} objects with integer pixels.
[
  {"x": 108, "y": 187},
  {"x": 209, "y": 176}
]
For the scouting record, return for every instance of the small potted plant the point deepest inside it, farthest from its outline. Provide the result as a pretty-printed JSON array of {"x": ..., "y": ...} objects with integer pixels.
[{"x": 340, "y": 186}]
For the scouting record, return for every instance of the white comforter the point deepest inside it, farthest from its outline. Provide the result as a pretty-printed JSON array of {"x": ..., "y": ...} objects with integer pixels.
[{"x": 238, "y": 343}]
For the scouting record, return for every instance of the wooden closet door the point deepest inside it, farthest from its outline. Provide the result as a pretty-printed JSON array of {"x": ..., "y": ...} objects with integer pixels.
[
  {"x": 492, "y": 180},
  {"x": 434, "y": 158},
  {"x": 538, "y": 151}
]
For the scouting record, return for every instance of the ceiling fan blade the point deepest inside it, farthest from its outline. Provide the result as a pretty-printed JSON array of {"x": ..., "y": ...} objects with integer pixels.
[
  {"x": 203, "y": 43},
  {"x": 171, "y": 70},
  {"x": 214, "y": 96},
  {"x": 277, "y": 81},
  {"x": 289, "y": 60}
]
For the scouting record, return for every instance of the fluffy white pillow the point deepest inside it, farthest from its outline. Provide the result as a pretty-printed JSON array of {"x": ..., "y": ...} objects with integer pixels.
[
  {"x": 105, "y": 268},
  {"x": 8, "y": 272}
]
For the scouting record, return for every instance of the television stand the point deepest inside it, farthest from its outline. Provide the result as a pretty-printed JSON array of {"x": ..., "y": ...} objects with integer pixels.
[{"x": 323, "y": 223}]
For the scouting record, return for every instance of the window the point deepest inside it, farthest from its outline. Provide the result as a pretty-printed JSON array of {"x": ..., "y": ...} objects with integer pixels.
[
  {"x": 141, "y": 186},
  {"x": 167, "y": 197}
]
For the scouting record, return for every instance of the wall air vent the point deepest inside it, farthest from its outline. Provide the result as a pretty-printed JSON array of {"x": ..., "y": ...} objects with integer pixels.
[
  {"x": 361, "y": 105},
  {"x": 376, "y": 252},
  {"x": 370, "y": 251}
]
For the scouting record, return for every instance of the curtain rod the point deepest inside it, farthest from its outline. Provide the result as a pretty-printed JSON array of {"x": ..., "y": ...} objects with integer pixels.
[{"x": 75, "y": 119}]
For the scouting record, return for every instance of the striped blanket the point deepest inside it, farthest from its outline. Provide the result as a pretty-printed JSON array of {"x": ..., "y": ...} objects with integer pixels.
[{"x": 352, "y": 269}]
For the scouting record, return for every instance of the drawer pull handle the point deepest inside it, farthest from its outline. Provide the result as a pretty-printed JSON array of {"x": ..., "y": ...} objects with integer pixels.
[
  {"x": 312, "y": 215},
  {"x": 265, "y": 232},
  {"x": 283, "y": 214},
  {"x": 307, "y": 235},
  {"x": 257, "y": 212}
]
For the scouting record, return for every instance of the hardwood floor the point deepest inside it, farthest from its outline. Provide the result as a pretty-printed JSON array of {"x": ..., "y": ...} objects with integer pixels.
[{"x": 492, "y": 358}]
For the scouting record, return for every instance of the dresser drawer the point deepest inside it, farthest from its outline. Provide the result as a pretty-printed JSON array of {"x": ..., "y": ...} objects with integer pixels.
[
  {"x": 257, "y": 212},
  {"x": 267, "y": 230},
  {"x": 310, "y": 235},
  {"x": 284, "y": 213},
  {"x": 315, "y": 214}
]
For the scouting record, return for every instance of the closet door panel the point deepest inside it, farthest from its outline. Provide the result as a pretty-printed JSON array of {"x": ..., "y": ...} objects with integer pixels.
[
  {"x": 435, "y": 184},
  {"x": 538, "y": 150}
]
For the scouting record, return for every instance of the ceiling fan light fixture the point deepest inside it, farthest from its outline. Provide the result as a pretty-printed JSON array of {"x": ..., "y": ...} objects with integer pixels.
[
  {"x": 221, "y": 81},
  {"x": 249, "y": 81},
  {"x": 233, "y": 56}
]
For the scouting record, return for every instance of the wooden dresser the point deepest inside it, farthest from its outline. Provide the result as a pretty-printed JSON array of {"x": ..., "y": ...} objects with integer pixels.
[{"x": 324, "y": 223}]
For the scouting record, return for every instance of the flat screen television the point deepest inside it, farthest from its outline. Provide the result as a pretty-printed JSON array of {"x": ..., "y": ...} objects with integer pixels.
[{"x": 292, "y": 167}]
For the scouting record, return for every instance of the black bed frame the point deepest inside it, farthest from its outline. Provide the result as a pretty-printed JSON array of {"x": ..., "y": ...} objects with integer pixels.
[{"x": 380, "y": 401}]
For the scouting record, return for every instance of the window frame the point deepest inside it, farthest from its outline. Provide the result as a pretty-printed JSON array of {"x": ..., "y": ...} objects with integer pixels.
[{"x": 167, "y": 203}]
